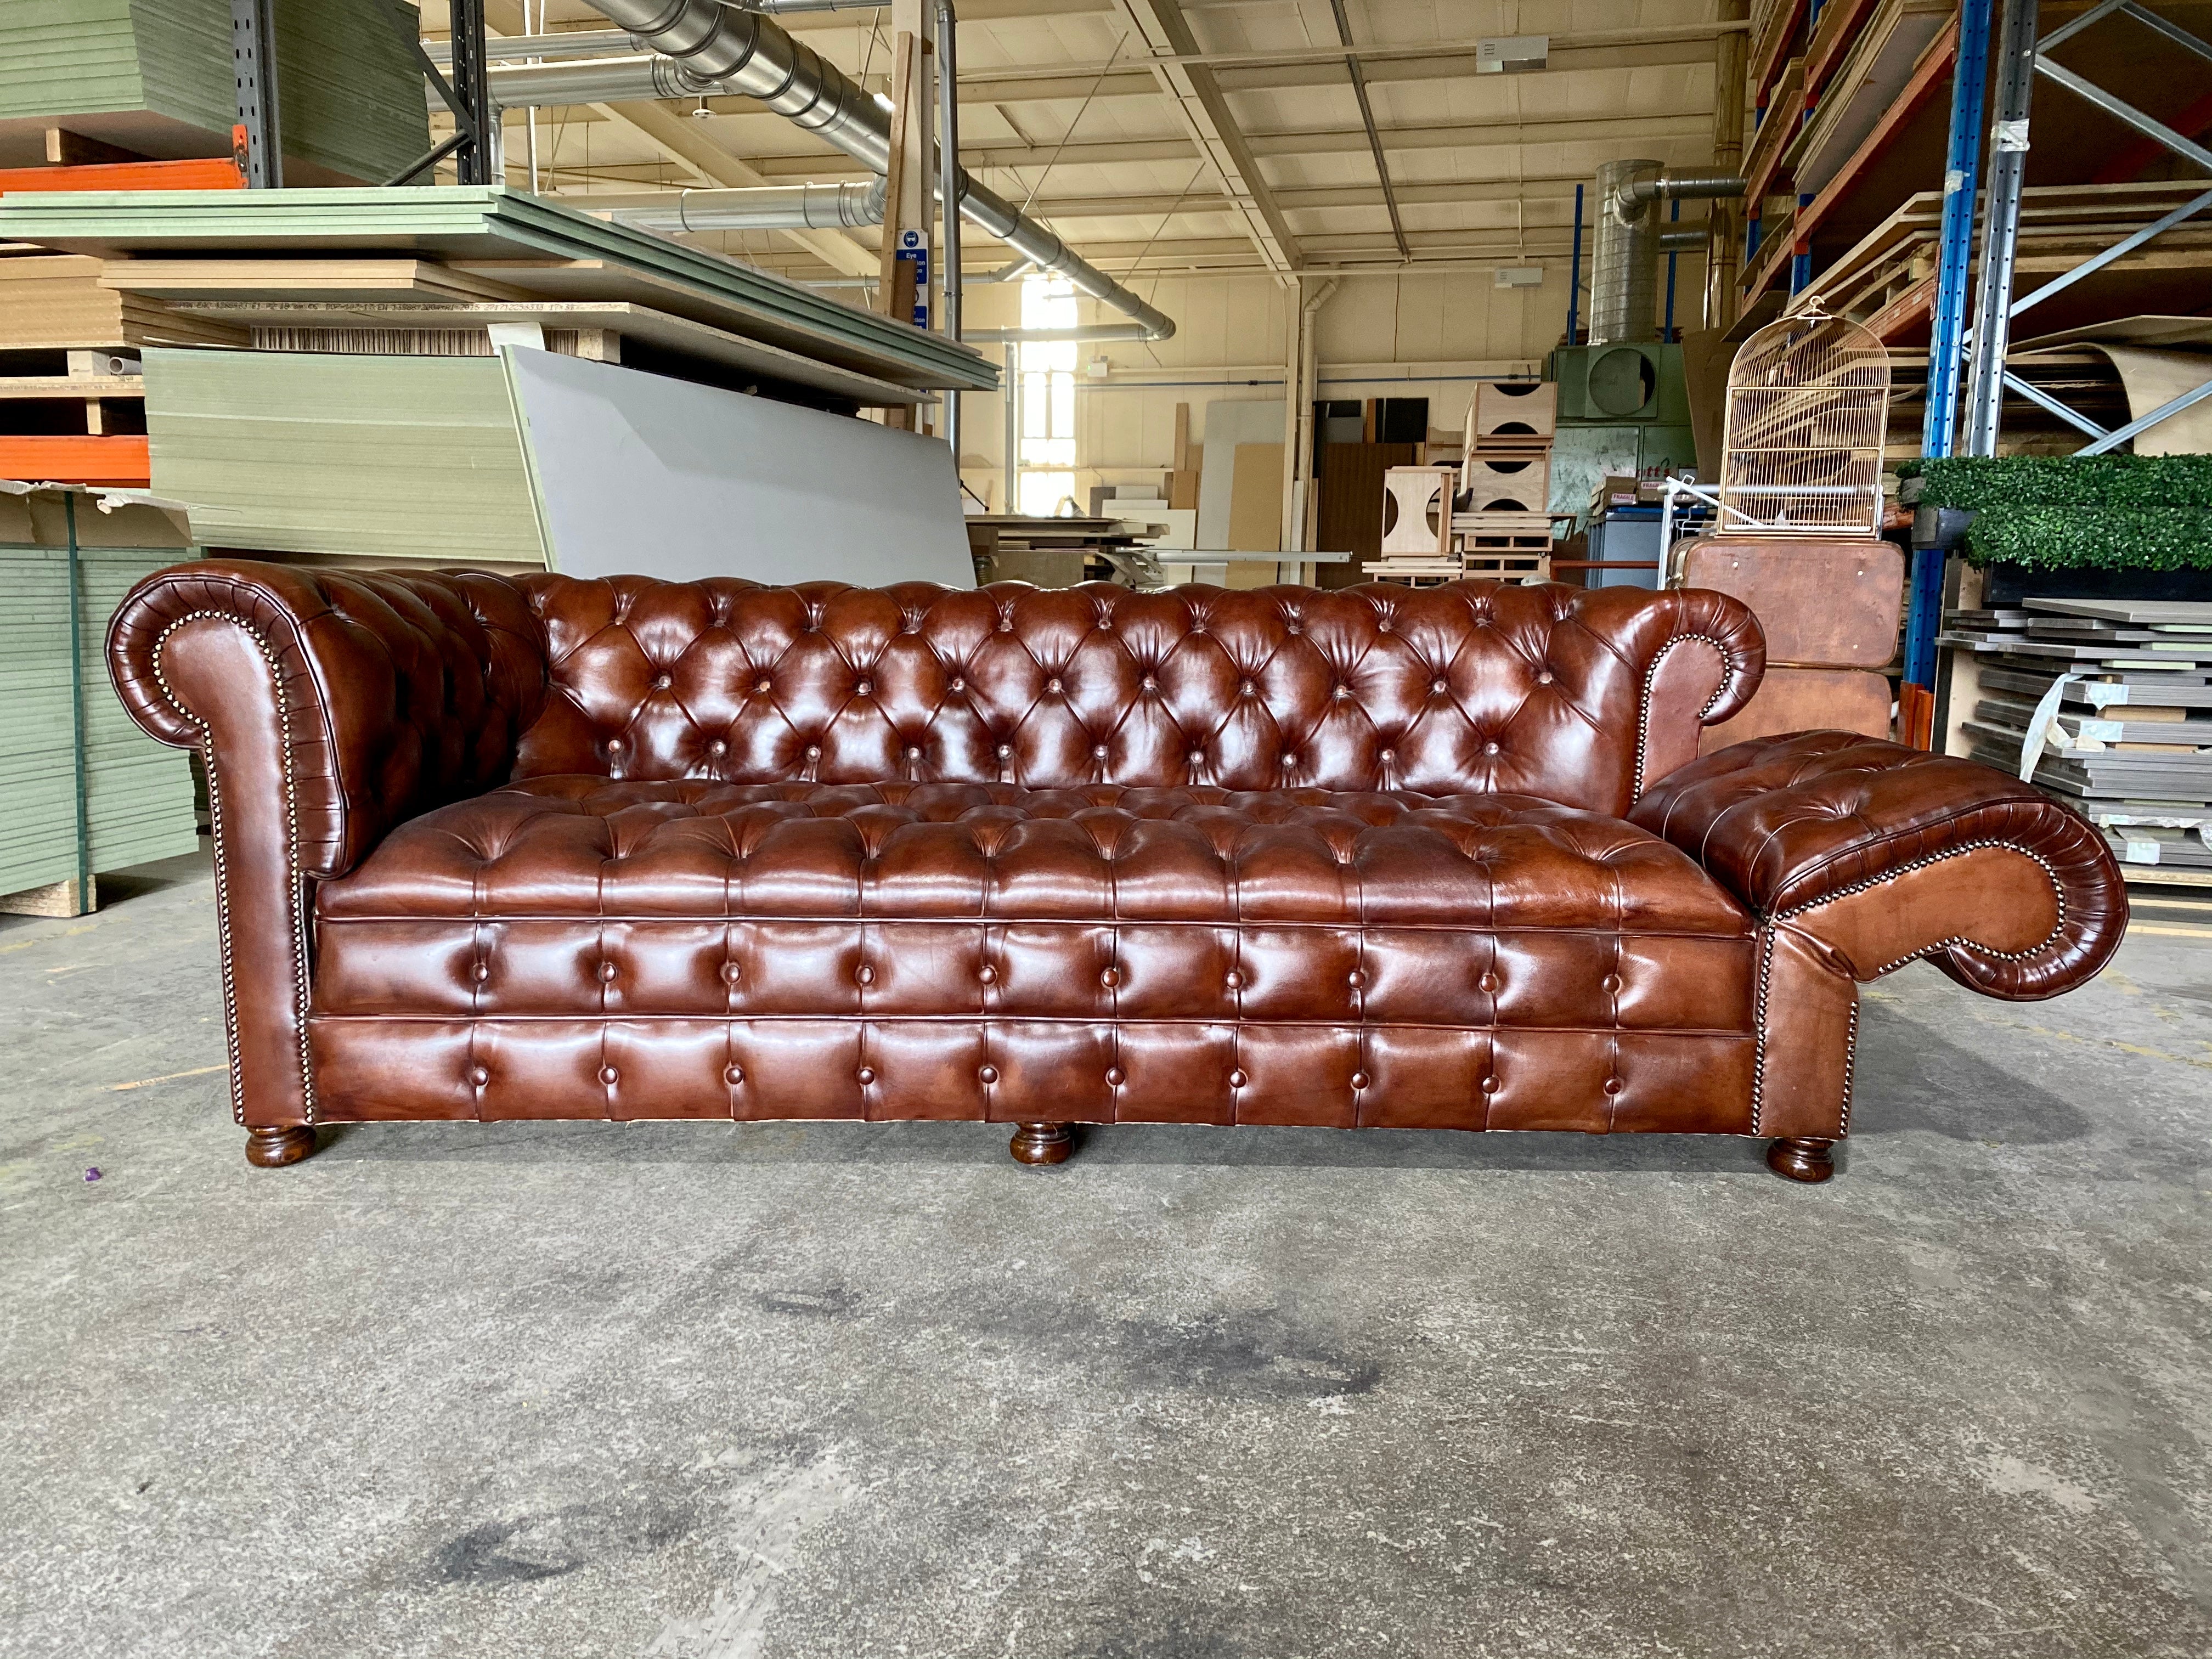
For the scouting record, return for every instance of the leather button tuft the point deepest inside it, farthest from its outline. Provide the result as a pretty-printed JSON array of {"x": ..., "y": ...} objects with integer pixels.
[
  {"x": 478, "y": 1076},
  {"x": 1116, "y": 1076},
  {"x": 1611, "y": 982},
  {"x": 661, "y": 683},
  {"x": 1006, "y": 624},
  {"x": 607, "y": 973},
  {"x": 959, "y": 685},
  {"x": 864, "y": 689},
  {"x": 730, "y": 973},
  {"x": 608, "y": 1075},
  {"x": 1489, "y": 1085},
  {"x": 1382, "y": 627},
  {"x": 987, "y": 1074},
  {"x": 866, "y": 1075},
  {"x": 1150, "y": 684},
  {"x": 718, "y": 748},
  {"x": 614, "y": 745},
  {"x": 761, "y": 686},
  {"x": 1232, "y": 979},
  {"x": 482, "y": 972},
  {"x": 1237, "y": 1079},
  {"x": 1487, "y": 983},
  {"x": 1490, "y": 748},
  {"x": 1355, "y": 977},
  {"x": 1613, "y": 1086},
  {"x": 913, "y": 753},
  {"x": 866, "y": 976},
  {"x": 814, "y": 752},
  {"x": 1544, "y": 678},
  {"x": 1389, "y": 754},
  {"x": 1004, "y": 750},
  {"x": 1196, "y": 761},
  {"x": 1052, "y": 685},
  {"x": 1245, "y": 689},
  {"x": 990, "y": 975},
  {"x": 733, "y": 1075},
  {"x": 1439, "y": 687},
  {"x": 1110, "y": 978},
  {"x": 1098, "y": 752},
  {"x": 1360, "y": 1079}
]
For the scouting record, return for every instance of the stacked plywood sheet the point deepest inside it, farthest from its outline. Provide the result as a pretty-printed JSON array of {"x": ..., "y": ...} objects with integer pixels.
[
  {"x": 2115, "y": 697},
  {"x": 533, "y": 248},
  {"x": 136, "y": 799},
  {"x": 155, "y": 78}
]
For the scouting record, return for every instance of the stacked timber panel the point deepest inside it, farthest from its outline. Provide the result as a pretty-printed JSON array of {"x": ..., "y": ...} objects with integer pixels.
[
  {"x": 155, "y": 78},
  {"x": 138, "y": 794},
  {"x": 2115, "y": 697}
]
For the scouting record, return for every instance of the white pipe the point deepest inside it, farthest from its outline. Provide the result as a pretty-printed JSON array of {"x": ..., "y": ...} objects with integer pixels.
[{"x": 848, "y": 205}]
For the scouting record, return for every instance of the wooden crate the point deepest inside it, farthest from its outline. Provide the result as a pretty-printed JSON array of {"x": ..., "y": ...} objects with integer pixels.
[
  {"x": 1517, "y": 412},
  {"x": 1412, "y": 497}
]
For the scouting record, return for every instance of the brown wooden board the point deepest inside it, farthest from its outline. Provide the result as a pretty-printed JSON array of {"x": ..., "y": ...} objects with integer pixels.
[{"x": 1823, "y": 603}]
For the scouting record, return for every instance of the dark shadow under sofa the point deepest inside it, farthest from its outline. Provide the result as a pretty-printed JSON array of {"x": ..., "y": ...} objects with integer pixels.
[{"x": 540, "y": 846}]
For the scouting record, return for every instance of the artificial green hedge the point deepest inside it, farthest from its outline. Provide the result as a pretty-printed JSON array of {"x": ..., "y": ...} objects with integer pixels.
[
  {"x": 2092, "y": 537},
  {"x": 2077, "y": 512},
  {"x": 1980, "y": 483}
]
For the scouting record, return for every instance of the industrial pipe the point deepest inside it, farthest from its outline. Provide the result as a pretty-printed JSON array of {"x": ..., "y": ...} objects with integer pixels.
[
  {"x": 1625, "y": 264},
  {"x": 848, "y": 205},
  {"x": 721, "y": 49}
]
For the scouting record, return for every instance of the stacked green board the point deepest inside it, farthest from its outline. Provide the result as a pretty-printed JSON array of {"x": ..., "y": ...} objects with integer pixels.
[
  {"x": 155, "y": 74},
  {"x": 382, "y": 457},
  {"x": 138, "y": 794},
  {"x": 529, "y": 237}
]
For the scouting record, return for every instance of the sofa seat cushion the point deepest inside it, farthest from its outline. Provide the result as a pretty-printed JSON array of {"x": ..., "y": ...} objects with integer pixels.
[{"x": 570, "y": 945}]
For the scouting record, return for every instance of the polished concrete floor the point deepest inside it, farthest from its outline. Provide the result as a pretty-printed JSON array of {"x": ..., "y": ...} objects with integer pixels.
[{"x": 848, "y": 1391}]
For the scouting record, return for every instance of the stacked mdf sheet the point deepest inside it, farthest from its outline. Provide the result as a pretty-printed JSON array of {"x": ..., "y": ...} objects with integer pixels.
[
  {"x": 155, "y": 77},
  {"x": 532, "y": 247},
  {"x": 385, "y": 458},
  {"x": 56, "y": 302},
  {"x": 138, "y": 794},
  {"x": 2125, "y": 691}
]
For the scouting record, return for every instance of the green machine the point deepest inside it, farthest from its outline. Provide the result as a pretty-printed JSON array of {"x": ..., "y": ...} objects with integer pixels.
[{"x": 1623, "y": 408}]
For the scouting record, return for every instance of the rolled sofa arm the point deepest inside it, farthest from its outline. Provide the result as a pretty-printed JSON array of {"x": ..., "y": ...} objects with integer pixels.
[
  {"x": 1882, "y": 854},
  {"x": 327, "y": 706}
]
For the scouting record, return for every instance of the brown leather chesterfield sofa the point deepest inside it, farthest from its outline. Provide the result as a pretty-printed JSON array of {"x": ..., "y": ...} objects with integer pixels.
[{"x": 539, "y": 848}]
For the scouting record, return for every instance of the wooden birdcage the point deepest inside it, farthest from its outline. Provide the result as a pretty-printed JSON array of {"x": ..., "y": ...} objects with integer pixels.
[{"x": 1807, "y": 412}]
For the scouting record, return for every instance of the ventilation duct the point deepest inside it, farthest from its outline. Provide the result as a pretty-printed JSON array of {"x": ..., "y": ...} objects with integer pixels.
[
  {"x": 720, "y": 48},
  {"x": 772, "y": 207},
  {"x": 1625, "y": 264}
]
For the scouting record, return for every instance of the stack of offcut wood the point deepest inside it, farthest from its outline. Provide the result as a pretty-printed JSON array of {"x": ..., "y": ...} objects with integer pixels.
[
  {"x": 1486, "y": 517},
  {"x": 1500, "y": 526},
  {"x": 2115, "y": 697}
]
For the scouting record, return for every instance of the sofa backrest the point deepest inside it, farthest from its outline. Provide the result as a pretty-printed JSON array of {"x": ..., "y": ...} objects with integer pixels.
[{"x": 1571, "y": 694}]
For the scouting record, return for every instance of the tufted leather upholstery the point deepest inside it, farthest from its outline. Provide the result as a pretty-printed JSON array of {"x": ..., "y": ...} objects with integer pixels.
[
  {"x": 1474, "y": 687},
  {"x": 551, "y": 848},
  {"x": 1793, "y": 823}
]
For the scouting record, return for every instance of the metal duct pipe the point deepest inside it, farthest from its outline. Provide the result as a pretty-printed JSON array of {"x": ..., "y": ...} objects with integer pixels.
[
  {"x": 721, "y": 49},
  {"x": 1083, "y": 334},
  {"x": 1682, "y": 187},
  {"x": 773, "y": 8},
  {"x": 1625, "y": 268},
  {"x": 630, "y": 77},
  {"x": 1682, "y": 241},
  {"x": 848, "y": 205}
]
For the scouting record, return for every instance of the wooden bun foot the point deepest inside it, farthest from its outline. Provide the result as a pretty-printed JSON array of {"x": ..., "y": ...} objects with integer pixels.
[
  {"x": 1041, "y": 1143},
  {"x": 273, "y": 1145},
  {"x": 1802, "y": 1160}
]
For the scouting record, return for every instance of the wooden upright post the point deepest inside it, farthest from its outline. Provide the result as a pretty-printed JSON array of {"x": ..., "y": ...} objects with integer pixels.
[{"x": 909, "y": 269}]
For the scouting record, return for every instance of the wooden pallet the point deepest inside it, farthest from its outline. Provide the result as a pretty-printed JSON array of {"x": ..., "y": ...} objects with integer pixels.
[
  {"x": 1502, "y": 532},
  {"x": 1509, "y": 567}
]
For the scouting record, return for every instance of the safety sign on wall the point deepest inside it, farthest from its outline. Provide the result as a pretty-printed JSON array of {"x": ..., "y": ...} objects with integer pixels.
[{"x": 913, "y": 250}]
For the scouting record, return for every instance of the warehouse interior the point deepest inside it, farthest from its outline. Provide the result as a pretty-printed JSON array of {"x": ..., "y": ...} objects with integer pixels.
[{"x": 637, "y": 626}]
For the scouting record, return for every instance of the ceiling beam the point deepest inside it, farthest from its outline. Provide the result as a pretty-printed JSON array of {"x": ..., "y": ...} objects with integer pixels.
[
  {"x": 1162, "y": 27},
  {"x": 1317, "y": 140}
]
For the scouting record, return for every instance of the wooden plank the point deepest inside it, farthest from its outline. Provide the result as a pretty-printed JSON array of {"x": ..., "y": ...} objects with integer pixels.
[
  {"x": 58, "y": 898},
  {"x": 221, "y": 173},
  {"x": 1256, "y": 499},
  {"x": 74, "y": 150},
  {"x": 68, "y": 459},
  {"x": 1773, "y": 45},
  {"x": 1933, "y": 71}
]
